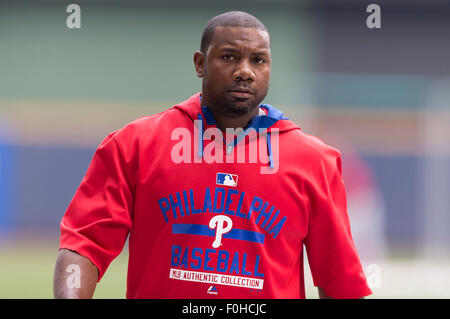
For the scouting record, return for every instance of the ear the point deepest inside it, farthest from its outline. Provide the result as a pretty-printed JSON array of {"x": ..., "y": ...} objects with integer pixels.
[{"x": 199, "y": 60}]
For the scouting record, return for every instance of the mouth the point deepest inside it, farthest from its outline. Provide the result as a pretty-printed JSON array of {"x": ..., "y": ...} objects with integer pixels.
[{"x": 240, "y": 93}]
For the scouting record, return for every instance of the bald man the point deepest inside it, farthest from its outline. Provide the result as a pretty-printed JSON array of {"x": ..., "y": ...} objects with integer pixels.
[{"x": 217, "y": 195}]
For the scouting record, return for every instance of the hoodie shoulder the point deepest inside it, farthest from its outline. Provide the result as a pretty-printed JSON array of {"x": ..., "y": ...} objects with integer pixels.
[
  {"x": 315, "y": 144},
  {"x": 160, "y": 123},
  {"x": 311, "y": 149},
  {"x": 150, "y": 125}
]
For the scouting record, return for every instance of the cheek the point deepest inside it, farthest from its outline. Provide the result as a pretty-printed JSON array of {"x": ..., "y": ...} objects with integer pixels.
[
  {"x": 216, "y": 76},
  {"x": 264, "y": 76}
]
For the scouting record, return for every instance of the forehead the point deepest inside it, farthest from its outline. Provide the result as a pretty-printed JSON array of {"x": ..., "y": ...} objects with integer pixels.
[{"x": 249, "y": 38}]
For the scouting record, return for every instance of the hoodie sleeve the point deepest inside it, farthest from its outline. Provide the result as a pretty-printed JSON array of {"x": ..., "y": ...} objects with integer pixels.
[
  {"x": 332, "y": 255},
  {"x": 98, "y": 219}
]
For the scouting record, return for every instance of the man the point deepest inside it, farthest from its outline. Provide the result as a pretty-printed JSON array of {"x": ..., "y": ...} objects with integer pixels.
[{"x": 164, "y": 181}]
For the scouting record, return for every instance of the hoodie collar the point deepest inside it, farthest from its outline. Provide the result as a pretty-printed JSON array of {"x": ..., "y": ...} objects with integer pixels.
[{"x": 260, "y": 123}]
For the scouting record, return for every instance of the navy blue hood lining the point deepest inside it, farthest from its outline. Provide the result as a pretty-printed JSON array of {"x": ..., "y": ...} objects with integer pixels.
[{"x": 259, "y": 123}]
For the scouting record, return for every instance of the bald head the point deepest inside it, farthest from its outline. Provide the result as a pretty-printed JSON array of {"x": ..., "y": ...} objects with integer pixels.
[{"x": 229, "y": 19}]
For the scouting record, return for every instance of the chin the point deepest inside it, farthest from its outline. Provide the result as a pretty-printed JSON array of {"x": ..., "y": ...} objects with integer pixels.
[{"x": 241, "y": 107}]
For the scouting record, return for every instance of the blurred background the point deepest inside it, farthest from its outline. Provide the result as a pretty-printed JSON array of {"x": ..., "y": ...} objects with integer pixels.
[{"x": 379, "y": 95}]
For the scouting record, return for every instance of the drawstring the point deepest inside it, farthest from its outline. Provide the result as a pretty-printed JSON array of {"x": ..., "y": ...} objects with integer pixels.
[
  {"x": 269, "y": 150},
  {"x": 200, "y": 136}
]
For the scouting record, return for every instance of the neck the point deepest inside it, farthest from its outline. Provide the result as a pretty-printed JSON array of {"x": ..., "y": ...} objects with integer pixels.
[
  {"x": 241, "y": 121},
  {"x": 225, "y": 120}
]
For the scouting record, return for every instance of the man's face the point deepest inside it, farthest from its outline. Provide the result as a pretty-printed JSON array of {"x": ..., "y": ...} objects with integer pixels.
[{"x": 235, "y": 69}]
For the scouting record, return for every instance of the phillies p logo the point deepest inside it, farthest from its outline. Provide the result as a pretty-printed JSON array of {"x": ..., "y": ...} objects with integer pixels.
[{"x": 218, "y": 222}]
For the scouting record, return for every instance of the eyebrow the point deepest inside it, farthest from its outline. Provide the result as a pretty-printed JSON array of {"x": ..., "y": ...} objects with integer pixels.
[{"x": 232, "y": 50}]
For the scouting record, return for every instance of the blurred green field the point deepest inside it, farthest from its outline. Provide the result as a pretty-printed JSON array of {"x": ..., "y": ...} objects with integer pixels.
[{"x": 26, "y": 271}]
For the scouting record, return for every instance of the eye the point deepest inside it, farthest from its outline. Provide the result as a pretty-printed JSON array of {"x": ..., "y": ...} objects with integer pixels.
[
  {"x": 228, "y": 57},
  {"x": 258, "y": 60}
]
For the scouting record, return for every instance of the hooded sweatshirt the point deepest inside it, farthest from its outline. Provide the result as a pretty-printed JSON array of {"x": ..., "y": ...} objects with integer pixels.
[{"x": 212, "y": 214}]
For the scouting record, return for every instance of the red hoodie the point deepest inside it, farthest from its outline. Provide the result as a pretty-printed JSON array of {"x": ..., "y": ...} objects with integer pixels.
[{"x": 206, "y": 223}]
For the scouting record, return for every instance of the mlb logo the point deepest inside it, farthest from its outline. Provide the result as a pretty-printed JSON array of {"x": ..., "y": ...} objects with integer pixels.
[{"x": 226, "y": 179}]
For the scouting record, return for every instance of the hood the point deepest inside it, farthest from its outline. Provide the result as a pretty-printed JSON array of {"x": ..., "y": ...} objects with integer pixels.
[{"x": 273, "y": 120}]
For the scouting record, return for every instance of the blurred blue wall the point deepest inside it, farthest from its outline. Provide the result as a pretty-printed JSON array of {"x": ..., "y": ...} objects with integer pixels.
[{"x": 8, "y": 174}]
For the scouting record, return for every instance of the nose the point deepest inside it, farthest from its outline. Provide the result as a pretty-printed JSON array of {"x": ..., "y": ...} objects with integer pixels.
[{"x": 244, "y": 72}]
